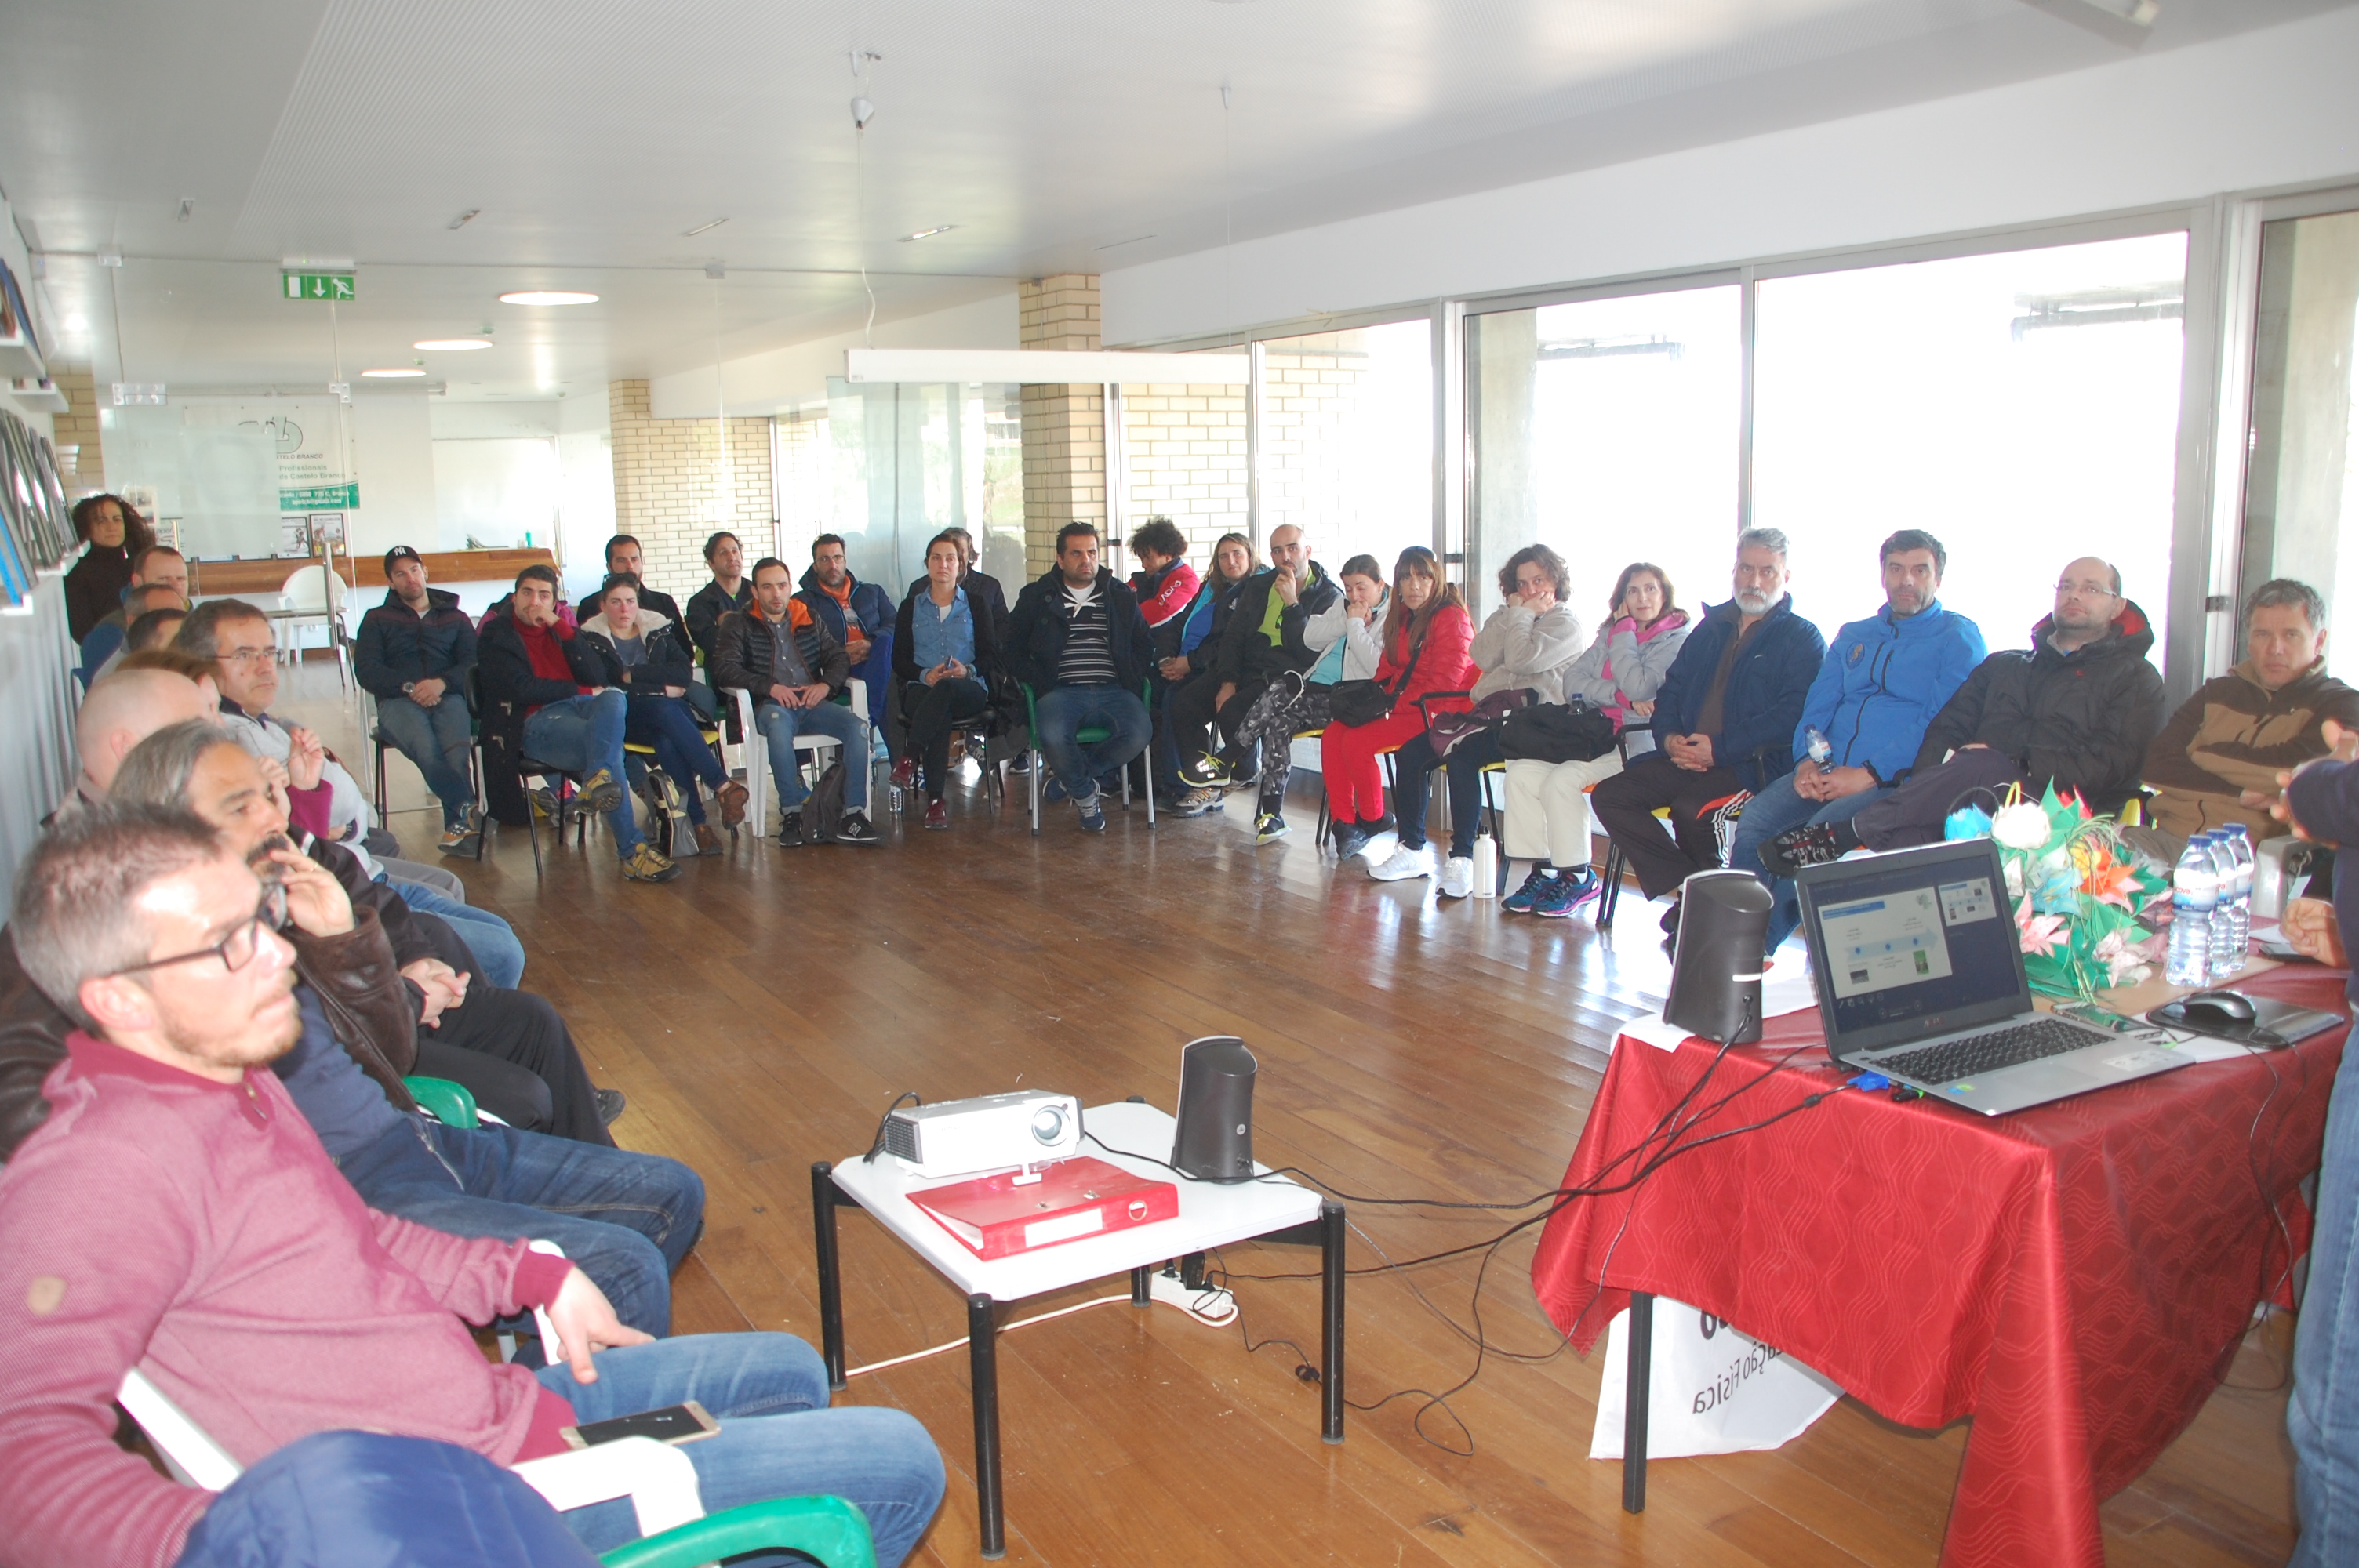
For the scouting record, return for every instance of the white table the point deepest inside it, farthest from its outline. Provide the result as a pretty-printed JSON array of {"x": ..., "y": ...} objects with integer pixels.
[{"x": 1211, "y": 1214}]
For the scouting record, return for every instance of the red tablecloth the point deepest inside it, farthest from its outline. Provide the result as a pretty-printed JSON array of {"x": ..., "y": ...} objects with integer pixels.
[{"x": 2075, "y": 1277}]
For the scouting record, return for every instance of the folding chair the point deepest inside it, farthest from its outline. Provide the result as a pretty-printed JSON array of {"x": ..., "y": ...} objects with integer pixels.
[
  {"x": 382, "y": 745},
  {"x": 1724, "y": 814},
  {"x": 1088, "y": 735},
  {"x": 853, "y": 696}
]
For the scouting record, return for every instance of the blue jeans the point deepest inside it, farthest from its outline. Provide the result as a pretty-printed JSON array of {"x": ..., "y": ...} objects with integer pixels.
[
  {"x": 780, "y": 724},
  {"x": 583, "y": 735},
  {"x": 2324, "y": 1413},
  {"x": 499, "y": 951},
  {"x": 439, "y": 739},
  {"x": 777, "y": 1438},
  {"x": 626, "y": 1219},
  {"x": 1773, "y": 809},
  {"x": 668, "y": 725},
  {"x": 876, "y": 670},
  {"x": 1066, "y": 711}
]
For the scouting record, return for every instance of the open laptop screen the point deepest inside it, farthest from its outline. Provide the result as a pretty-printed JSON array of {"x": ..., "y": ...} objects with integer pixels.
[{"x": 1913, "y": 942}]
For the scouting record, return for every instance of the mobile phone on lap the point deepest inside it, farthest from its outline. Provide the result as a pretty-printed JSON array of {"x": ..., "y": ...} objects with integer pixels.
[{"x": 673, "y": 1423}]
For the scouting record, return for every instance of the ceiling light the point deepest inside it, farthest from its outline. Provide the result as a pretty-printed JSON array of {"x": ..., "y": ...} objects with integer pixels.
[
  {"x": 929, "y": 234},
  {"x": 394, "y": 372},
  {"x": 2140, "y": 12},
  {"x": 464, "y": 219},
  {"x": 701, "y": 228},
  {"x": 77, "y": 322},
  {"x": 547, "y": 296},
  {"x": 1117, "y": 244},
  {"x": 451, "y": 345}
]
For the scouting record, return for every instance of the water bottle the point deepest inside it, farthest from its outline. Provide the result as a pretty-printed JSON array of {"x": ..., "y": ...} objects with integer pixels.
[
  {"x": 2226, "y": 957},
  {"x": 1817, "y": 745},
  {"x": 1487, "y": 866},
  {"x": 2194, "y": 889},
  {"x": 2236, "y": 898}
]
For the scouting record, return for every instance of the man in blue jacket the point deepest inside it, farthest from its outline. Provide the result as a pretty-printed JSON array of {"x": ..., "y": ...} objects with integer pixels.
[
  {"x": 861, "y": 616},
  {"x": 1879, "y": 686},
  {"x": 412, "y": 654},
  {"x": 1724, "y": 723}
]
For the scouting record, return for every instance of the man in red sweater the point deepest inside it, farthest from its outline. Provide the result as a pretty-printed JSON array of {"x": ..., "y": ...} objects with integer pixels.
[{"x": 176, "y": 1214}]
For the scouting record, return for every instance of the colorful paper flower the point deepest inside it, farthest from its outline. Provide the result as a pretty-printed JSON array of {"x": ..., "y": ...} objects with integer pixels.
[{"x": 2023, "y": 827}]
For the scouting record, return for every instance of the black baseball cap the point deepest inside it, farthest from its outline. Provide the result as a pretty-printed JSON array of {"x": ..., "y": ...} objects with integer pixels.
[{"x": 401, "y": 553}]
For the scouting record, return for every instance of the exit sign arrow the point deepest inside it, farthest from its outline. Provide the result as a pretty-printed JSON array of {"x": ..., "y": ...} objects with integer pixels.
[{"x": 331, "y": 285}]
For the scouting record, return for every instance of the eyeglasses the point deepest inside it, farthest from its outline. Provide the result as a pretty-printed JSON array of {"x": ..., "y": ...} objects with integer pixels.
[
  {"x": 2094, "y": 590},
  {"x": 248, "y": 656},
  {"x": 236, "y": 950}
]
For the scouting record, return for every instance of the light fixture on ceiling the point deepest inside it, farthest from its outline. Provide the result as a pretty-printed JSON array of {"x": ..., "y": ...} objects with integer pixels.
[
  {"x": 450, "y": 345},
  {"x": 464, "y": 219},
  {"x": 2137, "y": 13},
  {"x": 701, "y": 228},
  {"x": 547, "y": 296},
  {"x": 929, "y": 234},
  {"x": 1117, "y": 244},
  {"x": 715, "y": 271},
  {"x": 76, "y": 322},
  {"x": 392, "y": 373}
]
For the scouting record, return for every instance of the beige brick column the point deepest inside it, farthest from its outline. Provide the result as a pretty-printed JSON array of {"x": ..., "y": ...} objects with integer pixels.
[
  {"x": 75, "y": 434},
  {"x": 1064, "y": 426},
  {"x": 668, "y": 486}
]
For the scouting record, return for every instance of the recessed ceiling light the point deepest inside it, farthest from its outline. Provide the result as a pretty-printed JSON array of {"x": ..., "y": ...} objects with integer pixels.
[
  {"x": 451, "y": 345},
  {"x": 77, "y": 322},
  {"x": 701, "y": 228},
  {"x": 392, "y": 373},
  {"x": 547, "y": 296},
  {"x": 929, "y": 234}
]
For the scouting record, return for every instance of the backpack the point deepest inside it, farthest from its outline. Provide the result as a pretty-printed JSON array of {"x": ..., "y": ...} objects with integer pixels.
[
  {"x": 1556, "y": 732},
  {"x": 825, "y": 806}
]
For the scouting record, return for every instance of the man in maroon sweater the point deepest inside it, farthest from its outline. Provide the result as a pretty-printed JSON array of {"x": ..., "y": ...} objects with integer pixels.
[{"x": 176, "y": 1213}]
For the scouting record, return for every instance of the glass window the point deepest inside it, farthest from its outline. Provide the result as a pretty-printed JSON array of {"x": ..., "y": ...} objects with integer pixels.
[
  {"x": 2302, "y": 487},
  {"x": 494, "y": 492},
  {"x": 1347, "y": 439},
  {"x": 895, "y": 463},
  {"x": 1608, "y": 430},
  {"x": 2023, "y": 407}
]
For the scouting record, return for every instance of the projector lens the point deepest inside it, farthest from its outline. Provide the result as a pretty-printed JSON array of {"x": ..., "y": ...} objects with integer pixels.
[{"x": 1048, "y": 1124}]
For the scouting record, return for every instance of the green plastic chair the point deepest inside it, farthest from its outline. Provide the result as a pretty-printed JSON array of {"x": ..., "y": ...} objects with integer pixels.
[
  {"x": 1088, "y": 735},
  {"x": 828, "y": 1530},
  {"x": 449, "y": 1103}
]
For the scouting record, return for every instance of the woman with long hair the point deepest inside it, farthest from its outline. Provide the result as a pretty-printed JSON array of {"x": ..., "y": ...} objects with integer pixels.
[
  {"x": 945, "y": 647},
  {"x": 1345, "y": 637},
  {"x": 1548, "y": 803},
  {"x": 1201, "y": 628},
  {"x": 117, "y": 534},
  {"x": 1424, "y": 642}
]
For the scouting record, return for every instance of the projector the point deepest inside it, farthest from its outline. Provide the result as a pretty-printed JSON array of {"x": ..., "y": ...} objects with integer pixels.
[{"x": 961, "y": 1136}]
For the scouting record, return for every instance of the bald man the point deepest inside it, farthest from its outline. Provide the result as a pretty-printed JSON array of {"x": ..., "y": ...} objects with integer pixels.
[
  {"x": 2077, "y": 710},
  {"x": 123, "y": 709}
]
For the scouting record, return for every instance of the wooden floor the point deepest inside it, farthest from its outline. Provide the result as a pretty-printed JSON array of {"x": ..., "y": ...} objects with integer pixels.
[{"x": 762, "y": 1012}]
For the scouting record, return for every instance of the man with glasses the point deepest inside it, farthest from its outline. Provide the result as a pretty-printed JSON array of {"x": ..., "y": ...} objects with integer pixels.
[
  {"x": 178, "y": 1214},
  {"x": 2076, "y": 711}
]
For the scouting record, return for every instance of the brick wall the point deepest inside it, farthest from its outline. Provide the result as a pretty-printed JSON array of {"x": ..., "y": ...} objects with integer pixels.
[
  {"x": 668, "y": 486},
  {"x": 84, "y": 470},
  {"x": 1064, "y": 426},
  {"x": 1184, "y": 458},
  {"x": 1346, "y": 440}
]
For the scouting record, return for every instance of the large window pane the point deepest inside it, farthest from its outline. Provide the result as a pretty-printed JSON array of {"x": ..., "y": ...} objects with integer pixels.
[
  {"x": 1607, "y": 430},
  {"x": 2301, "y": 489},
  {"x": 893, "y": 464},
  {"x": 2021, "y": 407},
  {"x": 1346, "y": 436}
]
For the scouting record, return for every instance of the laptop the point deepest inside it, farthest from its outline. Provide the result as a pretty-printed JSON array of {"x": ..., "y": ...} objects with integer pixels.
[{"x": 1920, "y": 976}]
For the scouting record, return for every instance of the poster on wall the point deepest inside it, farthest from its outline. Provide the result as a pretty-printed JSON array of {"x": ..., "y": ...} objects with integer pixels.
[{"x": 313, "y": 469}]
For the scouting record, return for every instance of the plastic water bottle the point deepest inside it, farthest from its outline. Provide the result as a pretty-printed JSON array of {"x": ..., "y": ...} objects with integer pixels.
[
  {"x": 1487, "y": 866},
  {"x": 2235, "y": 909},
  {"x": 1817, "y": 745},
  {"x": 2226, "y": 957},
  {"x": 2194, "y": 890}
]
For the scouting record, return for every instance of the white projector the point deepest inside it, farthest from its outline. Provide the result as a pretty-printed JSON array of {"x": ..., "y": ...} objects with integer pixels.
[{"x": 962, "y": 1137}]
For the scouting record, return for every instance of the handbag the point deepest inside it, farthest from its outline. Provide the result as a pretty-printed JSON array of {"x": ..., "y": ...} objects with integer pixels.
[
  {"x": 1556, "y": 732},
  {"x": 1446, "y": 730},
  {"x": 1357, "y": 702}
]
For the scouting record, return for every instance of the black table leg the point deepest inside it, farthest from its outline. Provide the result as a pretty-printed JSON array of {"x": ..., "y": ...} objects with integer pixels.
[
  {"x": 1637, "y": 1393},
  {"x": 983, "y": 1373},
  {"x": 830, "y": 1277},
  {"x": 1330, "y": 1335},
  {"x": 1142, "y": 1293}
]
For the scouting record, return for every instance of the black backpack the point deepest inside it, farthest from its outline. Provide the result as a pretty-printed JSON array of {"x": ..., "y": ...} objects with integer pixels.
[
  {"x": 825, "y": 806},
  {"x": 1556, "y": 732}
]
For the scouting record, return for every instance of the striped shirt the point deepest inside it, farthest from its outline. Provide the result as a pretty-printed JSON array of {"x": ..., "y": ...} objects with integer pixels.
[{"x": 1087, "y": 655}]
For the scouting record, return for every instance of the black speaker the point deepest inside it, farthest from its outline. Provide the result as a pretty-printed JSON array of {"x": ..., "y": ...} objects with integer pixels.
[
  {"x": 1716, "y": 967},
  {"x": 1214, "y": 1141}
]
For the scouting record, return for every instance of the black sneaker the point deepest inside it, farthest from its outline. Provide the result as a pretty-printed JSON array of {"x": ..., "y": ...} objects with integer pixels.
[
  {"x": 1269, "y": 827},
  {"x": 1671, "y": 919},
  {"x": 1207, "y": 772},
  {"x": 610, "y": 1106},
  {"x": 790, "y": 829},
  {"x": 855, "y": 828},
  {"x": 1812, "y": 843}
]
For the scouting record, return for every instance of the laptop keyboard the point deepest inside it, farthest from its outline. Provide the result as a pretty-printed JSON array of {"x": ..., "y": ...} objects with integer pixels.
[{"x": 1979, "y": 1053}]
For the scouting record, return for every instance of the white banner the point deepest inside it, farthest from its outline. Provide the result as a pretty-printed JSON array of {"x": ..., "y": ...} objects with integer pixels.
[{"x": 1712, "y": 1390}]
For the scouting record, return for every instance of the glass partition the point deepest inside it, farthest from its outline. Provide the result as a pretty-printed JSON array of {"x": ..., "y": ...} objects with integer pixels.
[
  {"x": 1345, "y": 448},
  {"x": 2301, "y": 489},
  {"x": 893, "y": 464}
]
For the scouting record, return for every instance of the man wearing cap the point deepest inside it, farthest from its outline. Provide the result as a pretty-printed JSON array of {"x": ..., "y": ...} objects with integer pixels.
[{"x": 413, "y": 655}]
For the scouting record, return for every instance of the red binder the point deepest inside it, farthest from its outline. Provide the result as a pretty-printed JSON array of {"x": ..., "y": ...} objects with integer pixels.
[{"x": 1074, "y": 1199}]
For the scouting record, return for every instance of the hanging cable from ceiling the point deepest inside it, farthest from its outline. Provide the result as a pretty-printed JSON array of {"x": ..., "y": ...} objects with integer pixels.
[
  {"x": 864, "y": 64},
  {"x": 1228, "y": 223}
]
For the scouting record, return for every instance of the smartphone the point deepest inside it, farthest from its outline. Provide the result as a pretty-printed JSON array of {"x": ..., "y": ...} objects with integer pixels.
[
  {"x": 673, "y": 1423},
  {"x": 2087, "y": 1012}
]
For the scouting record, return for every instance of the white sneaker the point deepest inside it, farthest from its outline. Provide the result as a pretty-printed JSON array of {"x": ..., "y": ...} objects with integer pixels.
[
  {"x": 1379, "y": 848},
  {"x": 1457, "y": 880},
  {"x": 1403, "y": 863}
]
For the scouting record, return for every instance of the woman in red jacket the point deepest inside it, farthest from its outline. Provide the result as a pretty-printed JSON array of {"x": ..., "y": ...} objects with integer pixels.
[{"x": 1426, "y": 635}]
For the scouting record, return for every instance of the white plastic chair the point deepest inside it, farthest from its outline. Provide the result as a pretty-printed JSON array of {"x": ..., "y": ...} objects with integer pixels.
[
  {"x": 313, "y": 596},
  {"x": 758, "y": 749}
]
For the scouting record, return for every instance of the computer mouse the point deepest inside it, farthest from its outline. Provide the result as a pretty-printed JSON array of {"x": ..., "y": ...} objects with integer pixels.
[{"x": 2216, "y": 1008}]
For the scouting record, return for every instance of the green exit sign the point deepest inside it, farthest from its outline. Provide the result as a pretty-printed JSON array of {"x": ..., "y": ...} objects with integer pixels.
[{"x": 317, "y": 285}]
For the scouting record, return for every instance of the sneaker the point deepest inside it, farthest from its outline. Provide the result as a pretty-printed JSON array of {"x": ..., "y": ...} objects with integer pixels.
[
  {"x": 1812, "y": 843},
  {"x": 1020, "y": 764},
  {"x": 708, "y": 842},
  {"x": 1378, "y": 846},
  {"x": 610, "y": 1104},
  {"x": 458, "y": 839},
  {"x": 1207, "y": 772},
  {"x": 1568, "y": 895},
  {"x": 1195, "y": 802},
  {"x": 1347, "y": 838},
  {"x": 1093, "y": 811},
  {"x": 646, "y": 866},
  {"x": 600, "y": 793},
  {"x": 905, "y": 774},
  {"x": 938, "y": 813},
  {"x": 1457, "y": 879},
  {"x": 1526, "y": 898},
  {"x": 854, "y": 827},
  {"x": 733, "y": 796},
  {"x": 544, "y": 802},
  {"x": 1269, "y": 827},
  {"x": 1054, "y": 791},
  {"x": 790, "y": 829},
  {"x": 1403, "y": 864}
]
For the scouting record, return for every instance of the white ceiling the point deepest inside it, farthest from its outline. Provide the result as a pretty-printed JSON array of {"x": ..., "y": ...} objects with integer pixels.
[{"x": 1056, "y": 135}]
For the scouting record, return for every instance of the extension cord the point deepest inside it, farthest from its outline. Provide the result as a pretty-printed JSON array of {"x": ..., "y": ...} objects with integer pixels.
[{"x": 1214, "y": 1306}]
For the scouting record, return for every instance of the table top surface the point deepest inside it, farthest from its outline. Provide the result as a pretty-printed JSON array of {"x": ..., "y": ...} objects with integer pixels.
[{"x": 1133, "y": 1137}]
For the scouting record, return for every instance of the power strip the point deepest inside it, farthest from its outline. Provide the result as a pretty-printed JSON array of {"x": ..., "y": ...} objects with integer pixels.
[{"x": 1214, "y": 1306}]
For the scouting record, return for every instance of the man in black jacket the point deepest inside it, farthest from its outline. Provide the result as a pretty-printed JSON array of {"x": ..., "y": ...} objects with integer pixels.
[
  {"x": 777, "y": 651},
  {"x": 647, "y": 658},
  {"x": 728, "y": 591},
  {"x": 2076, "y": 711},
  {"x": 623, "y": 558},
  {"x": 1078, "y": 640},
  {"x": 1262, "y": 640},
  {"x": 412, "y": 654}
]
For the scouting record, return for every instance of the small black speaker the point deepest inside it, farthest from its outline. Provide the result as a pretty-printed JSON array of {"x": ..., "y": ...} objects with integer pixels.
[
  {"x": 1716, "y": 967},
  {"x": 1214, "y": 1141}
]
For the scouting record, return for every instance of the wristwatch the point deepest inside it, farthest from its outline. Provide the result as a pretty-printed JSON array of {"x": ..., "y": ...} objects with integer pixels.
[{"x": 407, "y": 687}]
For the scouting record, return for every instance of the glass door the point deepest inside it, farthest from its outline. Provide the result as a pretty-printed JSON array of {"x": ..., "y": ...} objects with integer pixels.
[{"x": 2301, "y": 486}]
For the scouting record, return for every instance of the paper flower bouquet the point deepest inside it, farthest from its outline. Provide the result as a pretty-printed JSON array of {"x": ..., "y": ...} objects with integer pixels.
[{"x": 2078, "y": 892}]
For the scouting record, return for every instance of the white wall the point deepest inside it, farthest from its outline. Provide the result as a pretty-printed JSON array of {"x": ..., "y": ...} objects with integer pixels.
[
  {"x": 585, "y": 503},
  {"x": 781, "y": 380},
  {"x": 393, "y": 450},
  {"x": 2266, "y": 109}
]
